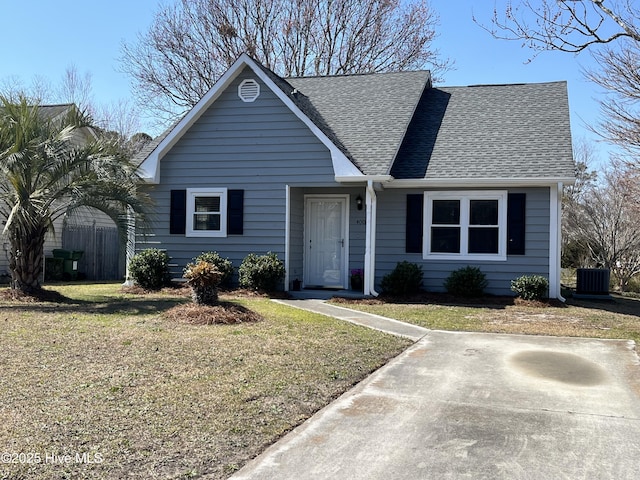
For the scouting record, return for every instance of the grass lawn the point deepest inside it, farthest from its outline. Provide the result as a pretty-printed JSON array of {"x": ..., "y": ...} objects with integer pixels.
[
  {"x": 105, "y": 387},
  {"x": 619, "y": 318}
]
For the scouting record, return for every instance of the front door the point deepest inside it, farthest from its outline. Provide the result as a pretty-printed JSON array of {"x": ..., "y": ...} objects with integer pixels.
[{"x": 326, "y": 241}]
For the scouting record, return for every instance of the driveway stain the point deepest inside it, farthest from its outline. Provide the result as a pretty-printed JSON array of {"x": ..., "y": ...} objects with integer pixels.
[{"x": 559, "y": 366}]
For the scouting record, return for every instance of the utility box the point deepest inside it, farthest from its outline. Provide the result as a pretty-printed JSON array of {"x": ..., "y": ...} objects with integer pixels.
[{"x": 592, "y": 283}]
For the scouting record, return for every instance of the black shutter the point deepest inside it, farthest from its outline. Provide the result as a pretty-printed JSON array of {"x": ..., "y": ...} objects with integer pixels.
[
  {"x": 415, "y": 207},
  {"x": 178, "y": 212},
  {"x": 235, "y": 212},
  {"x": 516, "y": 223}
]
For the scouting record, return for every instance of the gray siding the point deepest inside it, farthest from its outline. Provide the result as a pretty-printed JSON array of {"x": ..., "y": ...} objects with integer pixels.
[
  {"x": 260, "y": 147},
  {"x": 390, "y": 244}
]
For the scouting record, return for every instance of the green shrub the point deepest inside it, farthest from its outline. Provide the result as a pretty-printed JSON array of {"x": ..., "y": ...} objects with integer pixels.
[
  {"x": 466, "y": 282},
  {"x": 634, "y": 284},
  {"x": 224, "y": 265},
  {"x": 530, "y": 287},
  {"x": 261, "y": 272},
  {"x": 405, "y": 279},
  {"x": 150, "y": 269},
  {"x": 203, "y": 278}
]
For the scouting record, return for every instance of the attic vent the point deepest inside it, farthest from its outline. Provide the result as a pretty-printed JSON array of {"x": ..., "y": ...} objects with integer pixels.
[{"x": 249, "y": 90}]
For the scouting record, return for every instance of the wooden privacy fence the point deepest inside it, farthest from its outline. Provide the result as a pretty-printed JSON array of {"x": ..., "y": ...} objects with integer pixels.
[{"x": 103, "y": 257}]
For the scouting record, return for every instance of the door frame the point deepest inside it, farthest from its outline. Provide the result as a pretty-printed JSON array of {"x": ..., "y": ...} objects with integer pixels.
[{"x": 345, "y": 231}]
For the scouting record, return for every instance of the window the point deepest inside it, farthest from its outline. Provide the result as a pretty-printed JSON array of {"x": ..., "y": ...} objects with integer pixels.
[
  {"x": 469, "y": 225},
  {"x": 206, "y": 212}
]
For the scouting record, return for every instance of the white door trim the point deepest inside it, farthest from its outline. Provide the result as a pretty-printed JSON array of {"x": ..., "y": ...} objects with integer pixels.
[{"x": 344, "y": 266}]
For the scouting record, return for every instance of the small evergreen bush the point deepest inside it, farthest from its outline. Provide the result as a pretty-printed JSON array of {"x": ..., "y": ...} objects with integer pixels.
[
  {"x": 466, "y": 282},
  {"x": 203, "y": 278},
  {"x": 150, "y": 269},
  {"x": 224, "y": 265},
  {"x": 261, "y": 272},
  {"x": 405, "y": 279},
  {"x": 530, "y": 287}
]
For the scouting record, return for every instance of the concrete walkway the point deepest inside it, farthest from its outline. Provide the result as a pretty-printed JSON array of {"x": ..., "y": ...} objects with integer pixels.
[
  {"x": 376, "y": 322},
  {"x": 473, "y": 405}
]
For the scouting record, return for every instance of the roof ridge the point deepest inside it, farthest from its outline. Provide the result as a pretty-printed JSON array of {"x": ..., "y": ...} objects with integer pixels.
[
  {"x": 360, "y": 74},
  {"x": 514, "y": 84}
]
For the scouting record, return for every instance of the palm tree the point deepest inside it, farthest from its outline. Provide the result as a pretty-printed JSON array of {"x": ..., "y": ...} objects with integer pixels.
[{"x": 49, "y": 166}]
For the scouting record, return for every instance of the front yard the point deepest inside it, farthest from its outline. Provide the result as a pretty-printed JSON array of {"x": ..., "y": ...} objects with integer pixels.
[
  {"x": 103, "y": 386},
  {"x": 619, "y": 318}
]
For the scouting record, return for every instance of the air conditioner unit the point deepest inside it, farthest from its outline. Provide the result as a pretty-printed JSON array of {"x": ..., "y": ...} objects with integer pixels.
[{"x": 592, "y": 282}]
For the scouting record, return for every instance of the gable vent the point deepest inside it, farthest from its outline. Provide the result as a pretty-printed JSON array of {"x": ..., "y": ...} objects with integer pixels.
[{"x": 248, "y": 90}]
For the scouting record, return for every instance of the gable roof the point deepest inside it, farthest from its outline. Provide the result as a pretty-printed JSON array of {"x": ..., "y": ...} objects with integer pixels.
[
  {"x": 492, "y": 132},
  {"x": 149, "y": 165}
]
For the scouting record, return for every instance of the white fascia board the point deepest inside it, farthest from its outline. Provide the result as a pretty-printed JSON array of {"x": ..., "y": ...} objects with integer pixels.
[
  {"x": 363, "y": 178},
  {"x": 477, "y": 182},
  {"x": 148, "y": 171}
]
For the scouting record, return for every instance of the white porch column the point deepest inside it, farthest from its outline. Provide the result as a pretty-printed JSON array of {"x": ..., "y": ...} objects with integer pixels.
[
  {"x": 287, "y": 236},
  {"x": 370, "y": 241},
  {"x": 555, "y": 240}
]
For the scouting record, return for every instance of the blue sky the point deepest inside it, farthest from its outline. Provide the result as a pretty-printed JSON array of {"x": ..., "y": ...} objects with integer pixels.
[{"x": 44, "y": 37}]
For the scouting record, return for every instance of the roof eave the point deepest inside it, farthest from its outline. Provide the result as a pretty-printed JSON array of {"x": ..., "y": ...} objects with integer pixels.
[
  {"x": 363, "y": 178},
  {"x": 479, "y": 182}
]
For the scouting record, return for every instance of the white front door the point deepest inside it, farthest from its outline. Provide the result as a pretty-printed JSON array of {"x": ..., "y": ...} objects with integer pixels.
[{"x": 326, "y": 241}]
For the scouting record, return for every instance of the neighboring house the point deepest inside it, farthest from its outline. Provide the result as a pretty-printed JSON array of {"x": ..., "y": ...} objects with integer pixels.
[
  {"x": 362, "y": 172},
  {"x": 104, "y": 260},
  {"x": 53, "y": 239}
]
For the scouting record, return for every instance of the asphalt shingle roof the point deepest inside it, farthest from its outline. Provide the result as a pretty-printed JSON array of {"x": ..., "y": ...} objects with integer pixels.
[
  {"x": 493, "y": 131},
  {"x": 368, "y": 113},
  {"x": 396, "y": 123}
]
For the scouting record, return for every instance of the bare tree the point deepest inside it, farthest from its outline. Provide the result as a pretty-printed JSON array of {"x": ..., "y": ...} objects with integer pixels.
[
  {"x": 76, "y": 88},
  {"x": 620, "y": 77},
  {"x": 575, "y": 251},
  {"x": 605, "y": 221},
  {"x": 610, "y": 30},
  {"x": 566, "y": 25},
  {"x": 192, "y": 42}
]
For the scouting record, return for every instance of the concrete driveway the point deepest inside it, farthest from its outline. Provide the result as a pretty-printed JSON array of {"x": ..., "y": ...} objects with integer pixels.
[{"x": 479, "y": 406}]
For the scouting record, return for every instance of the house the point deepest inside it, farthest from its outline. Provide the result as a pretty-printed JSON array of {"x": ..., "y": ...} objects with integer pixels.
[{"x": 362, "y": 172}]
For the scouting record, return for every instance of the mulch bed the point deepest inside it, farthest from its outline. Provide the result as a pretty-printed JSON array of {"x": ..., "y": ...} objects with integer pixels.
[
  {"x": 223, "y": 313},
  {"x": 425, "y": 298},
  {"x": 38, "y": 295}
]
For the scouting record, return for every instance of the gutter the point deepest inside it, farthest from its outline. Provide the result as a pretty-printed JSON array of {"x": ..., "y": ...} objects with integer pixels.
[
  {"x": 478, "y": 182},
  {"x": 363, "y": 178}
]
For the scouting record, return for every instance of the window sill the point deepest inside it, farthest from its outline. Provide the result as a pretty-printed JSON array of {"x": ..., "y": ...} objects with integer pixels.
[{"x": 464, "y": 258}]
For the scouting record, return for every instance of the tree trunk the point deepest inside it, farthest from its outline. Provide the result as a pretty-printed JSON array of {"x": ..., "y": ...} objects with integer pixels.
[{"x": 25, "y": 259}]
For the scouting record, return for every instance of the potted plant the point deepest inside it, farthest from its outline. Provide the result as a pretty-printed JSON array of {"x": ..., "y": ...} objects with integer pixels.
[{"x": 357, "y": 276}]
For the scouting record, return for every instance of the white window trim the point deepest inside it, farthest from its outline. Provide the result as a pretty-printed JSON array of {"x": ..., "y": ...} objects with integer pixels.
[
  {"x": 465, "y": 197},
  {"x": 192, "y": 193}
]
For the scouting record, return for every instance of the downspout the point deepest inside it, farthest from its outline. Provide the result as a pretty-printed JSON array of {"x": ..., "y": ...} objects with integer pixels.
[
  {"x": 555, "y": 241},
  {"x": 370, "y": 247}
]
